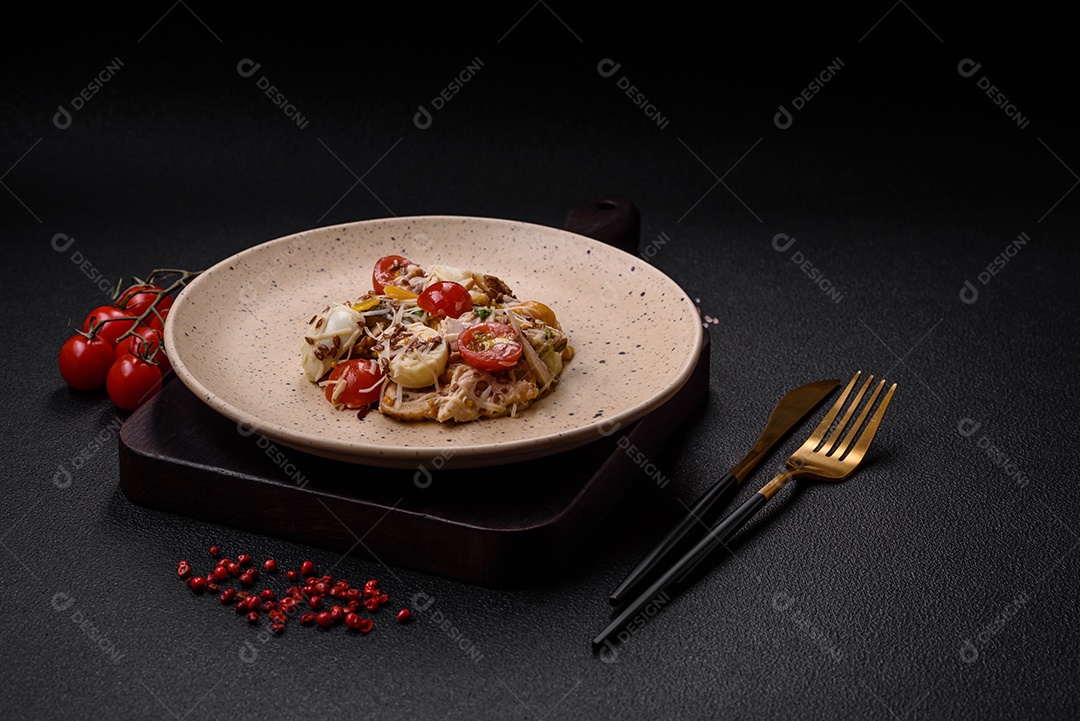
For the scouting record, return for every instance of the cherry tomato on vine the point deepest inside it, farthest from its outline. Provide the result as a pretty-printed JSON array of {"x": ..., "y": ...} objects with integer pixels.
[
  {"x": 363, "y": 383},
  {"x": 490, "y": 346},
  {"x": 85, "y": 362},
  {"x": 137, "y": 298},
  {"x": 132, "y": 381},
  {"x": 152, "y": 321},
  {"x": 112, "y": 330},
  {"x": 445, "y": 299},
  {"x": 147, "y": 342},
  {"x": 387, "y": 270}
]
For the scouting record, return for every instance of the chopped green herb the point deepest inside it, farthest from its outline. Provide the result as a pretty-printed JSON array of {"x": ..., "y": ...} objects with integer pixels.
[{"x": 482, "y": 313}]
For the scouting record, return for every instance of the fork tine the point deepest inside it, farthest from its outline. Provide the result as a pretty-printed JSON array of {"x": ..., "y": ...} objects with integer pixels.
[
  {"x": 840, "y": 447},
  {"x": 852, "y": 407},
  {"x": 871, "y": 428},
  {"x": 819, "y": 433}
]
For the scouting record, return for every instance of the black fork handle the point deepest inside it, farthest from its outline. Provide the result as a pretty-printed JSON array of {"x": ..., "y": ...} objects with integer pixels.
[{"x": 720, "y": 534}]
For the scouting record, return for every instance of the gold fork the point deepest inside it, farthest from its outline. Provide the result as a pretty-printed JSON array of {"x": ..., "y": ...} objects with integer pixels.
[{"x": 827, "y": 455}]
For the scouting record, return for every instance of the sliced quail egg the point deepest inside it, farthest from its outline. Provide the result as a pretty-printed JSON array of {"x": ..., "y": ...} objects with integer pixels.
[
  {"x": 423, "y": 359},
  {"x": 320, "y": 351}
]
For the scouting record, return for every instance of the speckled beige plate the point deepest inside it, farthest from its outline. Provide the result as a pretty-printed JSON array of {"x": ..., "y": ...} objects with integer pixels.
[{"x": 235, "y": 336}]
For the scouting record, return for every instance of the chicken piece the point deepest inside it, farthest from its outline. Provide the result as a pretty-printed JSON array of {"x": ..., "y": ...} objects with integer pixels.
[
  {"x": 466, "y": 395},
  {"x": 413, "y": 406}
]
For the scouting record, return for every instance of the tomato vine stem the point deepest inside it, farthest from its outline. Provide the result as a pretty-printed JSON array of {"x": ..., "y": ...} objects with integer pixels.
[{"x": 185, "y": 276}]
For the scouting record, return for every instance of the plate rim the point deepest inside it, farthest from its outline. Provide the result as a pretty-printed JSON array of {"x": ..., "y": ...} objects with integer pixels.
[{"x": 474, "y": 456}]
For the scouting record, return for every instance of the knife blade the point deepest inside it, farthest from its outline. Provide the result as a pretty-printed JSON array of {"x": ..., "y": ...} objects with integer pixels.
[{"x": 789, "y": 411}]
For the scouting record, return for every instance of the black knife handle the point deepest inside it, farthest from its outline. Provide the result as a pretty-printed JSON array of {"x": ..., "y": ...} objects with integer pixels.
[
  {"x": 699, "y": 515},
  {"x": 724, "y": 530},
  {"x": 657, "y": 592}
]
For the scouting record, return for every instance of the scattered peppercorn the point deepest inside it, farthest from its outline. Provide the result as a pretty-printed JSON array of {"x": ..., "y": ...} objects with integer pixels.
[{"x": 315, "y": 589}]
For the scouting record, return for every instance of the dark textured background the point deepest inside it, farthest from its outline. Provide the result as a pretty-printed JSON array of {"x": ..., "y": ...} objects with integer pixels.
[{"x": 934, "y": 584}]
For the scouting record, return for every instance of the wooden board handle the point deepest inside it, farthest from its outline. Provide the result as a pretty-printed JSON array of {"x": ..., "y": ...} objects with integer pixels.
[{"x": 611, "y": 219}]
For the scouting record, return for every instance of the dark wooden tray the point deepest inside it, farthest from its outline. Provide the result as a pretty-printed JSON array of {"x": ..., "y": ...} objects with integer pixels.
[{"x": 498, "y": 526}]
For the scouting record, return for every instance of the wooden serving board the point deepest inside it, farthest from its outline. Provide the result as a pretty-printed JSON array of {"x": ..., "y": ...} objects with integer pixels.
[{"x": 500, "y": 526}]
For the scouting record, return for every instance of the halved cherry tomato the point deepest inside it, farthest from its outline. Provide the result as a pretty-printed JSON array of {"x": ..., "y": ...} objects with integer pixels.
[
  {"x": 363, "y": 383},
  {"x": 490, "y": 346},
  {"x": 387, "y": 270},
  {"x": 137, "y": 298},
  {"x": 445, "y": 299},
  {"x": 112, "y": 330},
  {"x": 85, "y": 362},
  {"x": 132, "y": 381}
]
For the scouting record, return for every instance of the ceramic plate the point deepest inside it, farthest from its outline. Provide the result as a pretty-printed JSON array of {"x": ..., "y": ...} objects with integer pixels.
[{"x": 235, "y": 333}]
